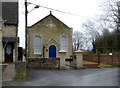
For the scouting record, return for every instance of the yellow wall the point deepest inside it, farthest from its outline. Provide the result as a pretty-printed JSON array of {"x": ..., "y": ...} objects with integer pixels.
[
  {"x": 50, "y": 36},
  {"x": 9, "y": 31}
]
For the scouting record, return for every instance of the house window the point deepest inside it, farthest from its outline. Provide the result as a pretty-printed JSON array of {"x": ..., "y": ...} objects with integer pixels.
[
  {"x": 37, "y": 45},
  {"x": 64, "y": 43}
]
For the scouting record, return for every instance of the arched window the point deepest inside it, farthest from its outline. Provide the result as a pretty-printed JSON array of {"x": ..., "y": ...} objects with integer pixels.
[
  {"x": 64, "y": 43},
  {"x": 37, "y": 45}
]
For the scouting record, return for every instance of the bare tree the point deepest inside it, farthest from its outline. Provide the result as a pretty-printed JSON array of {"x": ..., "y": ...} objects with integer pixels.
[
  {"x": 112, "y": 17},
  {"x": 92, "y": 30},
  {"x": 78, "y": 40}
]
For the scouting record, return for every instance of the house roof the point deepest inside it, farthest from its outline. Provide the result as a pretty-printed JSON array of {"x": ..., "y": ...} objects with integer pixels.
[
  {"x": 10, "y": 13},
  {"x": 47, "y": 17}
]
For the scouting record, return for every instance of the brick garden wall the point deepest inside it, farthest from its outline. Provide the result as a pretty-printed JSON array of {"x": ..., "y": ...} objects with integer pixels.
[{"x": 107, "y": 59}]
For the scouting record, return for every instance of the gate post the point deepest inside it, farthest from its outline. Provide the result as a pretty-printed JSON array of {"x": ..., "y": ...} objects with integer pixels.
[
  {"x": 79, "y": 59},
  {"x": 21, "y": 71},
  {"x": 62, "y": 55}
]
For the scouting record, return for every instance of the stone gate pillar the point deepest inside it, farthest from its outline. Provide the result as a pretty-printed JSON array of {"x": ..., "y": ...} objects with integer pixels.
[
  {"x": 62, "y": 55},
  {"x": 79, "y": 59}
]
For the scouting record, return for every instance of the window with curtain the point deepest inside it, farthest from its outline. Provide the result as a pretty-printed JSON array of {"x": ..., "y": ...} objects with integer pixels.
[
  {"x": 64, "y": 43},
  {"x": 37, "y": 45}
]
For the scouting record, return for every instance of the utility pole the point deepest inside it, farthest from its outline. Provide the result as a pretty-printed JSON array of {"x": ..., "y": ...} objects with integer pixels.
[{"x": 26, "y": 48}]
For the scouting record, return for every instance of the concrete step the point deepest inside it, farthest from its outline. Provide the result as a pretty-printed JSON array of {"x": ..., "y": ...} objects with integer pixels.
[{"x": 9, "y": 73}]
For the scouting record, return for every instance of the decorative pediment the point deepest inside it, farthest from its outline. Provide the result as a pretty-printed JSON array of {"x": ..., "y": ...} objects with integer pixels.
[
  {"x": 50, "y": 24},
  {"x": 52, "y": 41}
]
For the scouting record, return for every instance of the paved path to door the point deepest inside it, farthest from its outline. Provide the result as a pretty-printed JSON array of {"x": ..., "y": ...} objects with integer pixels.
[{"x": 83, "y": 77}]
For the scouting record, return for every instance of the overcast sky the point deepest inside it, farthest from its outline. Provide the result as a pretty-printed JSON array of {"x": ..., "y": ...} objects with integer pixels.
[{"x": 83, "y": 9}]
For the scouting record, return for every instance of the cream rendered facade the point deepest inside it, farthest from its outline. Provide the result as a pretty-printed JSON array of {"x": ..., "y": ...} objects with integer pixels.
[
  {"x": 9, "y": 37},
  {"x": 50, "y": 29},
  {"x": 8, "y": 31}
]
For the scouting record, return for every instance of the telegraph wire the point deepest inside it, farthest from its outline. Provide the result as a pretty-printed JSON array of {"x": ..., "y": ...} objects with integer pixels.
[{"x": 55, "y": 9}]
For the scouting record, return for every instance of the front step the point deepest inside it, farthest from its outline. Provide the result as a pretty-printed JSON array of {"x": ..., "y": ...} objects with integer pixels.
[{"x": 9, "y": 73}]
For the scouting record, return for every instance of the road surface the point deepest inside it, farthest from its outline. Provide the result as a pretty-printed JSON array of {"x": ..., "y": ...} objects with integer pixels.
[{"x": 83, "y": 77}]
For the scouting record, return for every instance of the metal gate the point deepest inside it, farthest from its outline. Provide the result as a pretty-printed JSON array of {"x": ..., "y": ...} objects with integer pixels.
[{"x": 71, "y": 62}]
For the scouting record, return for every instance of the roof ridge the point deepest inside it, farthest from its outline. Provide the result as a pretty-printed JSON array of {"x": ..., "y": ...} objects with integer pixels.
[{"x": 48, "y": 16}]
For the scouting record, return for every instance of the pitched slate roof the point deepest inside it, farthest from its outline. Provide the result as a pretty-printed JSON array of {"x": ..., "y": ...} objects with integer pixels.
[{"x": 10, "y": 12}]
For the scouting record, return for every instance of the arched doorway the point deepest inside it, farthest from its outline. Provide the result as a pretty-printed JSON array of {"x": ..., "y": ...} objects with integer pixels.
[{"x": 52, "y": 51}]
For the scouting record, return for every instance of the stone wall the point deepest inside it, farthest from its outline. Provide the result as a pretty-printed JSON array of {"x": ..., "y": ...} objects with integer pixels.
[
  {"x": 9, "y": 31},
  {"x": 44, "y": 63},
  {"x": 21, "y": 71}
]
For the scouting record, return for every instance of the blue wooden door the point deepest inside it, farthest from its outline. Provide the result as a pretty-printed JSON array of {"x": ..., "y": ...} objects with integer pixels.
[{"x": 52, "y": 51}]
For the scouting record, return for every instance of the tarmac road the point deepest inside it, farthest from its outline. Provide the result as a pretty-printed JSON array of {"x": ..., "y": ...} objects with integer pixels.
[{"x": 83, "y": 77}]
